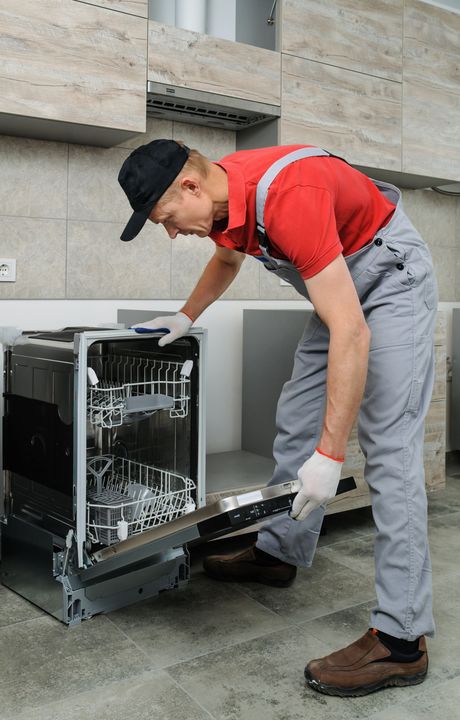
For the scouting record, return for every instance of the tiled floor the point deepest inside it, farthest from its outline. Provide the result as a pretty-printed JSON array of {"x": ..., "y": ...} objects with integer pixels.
[{"x": 233, "y": 652}]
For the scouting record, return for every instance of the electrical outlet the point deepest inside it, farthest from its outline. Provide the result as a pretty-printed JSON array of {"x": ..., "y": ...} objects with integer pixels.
[{"x": 7, "y": 270}]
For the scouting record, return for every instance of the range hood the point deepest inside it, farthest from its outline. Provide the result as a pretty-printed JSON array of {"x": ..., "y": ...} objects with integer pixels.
[{"x": 170, "y": 102}]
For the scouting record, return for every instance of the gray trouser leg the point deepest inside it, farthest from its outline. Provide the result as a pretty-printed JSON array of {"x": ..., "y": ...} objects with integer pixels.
[
  {"x": 299, "y": 421},
  {"x": 395, "y": 282},
  {"x": 401, "y": 313}
]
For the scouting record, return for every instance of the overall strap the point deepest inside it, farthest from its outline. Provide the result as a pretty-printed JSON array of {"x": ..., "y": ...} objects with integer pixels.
[{"x": 270, "y": 174}]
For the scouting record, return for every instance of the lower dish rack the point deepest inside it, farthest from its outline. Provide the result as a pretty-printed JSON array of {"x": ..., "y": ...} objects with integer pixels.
[{"x": 125, "y": 498}]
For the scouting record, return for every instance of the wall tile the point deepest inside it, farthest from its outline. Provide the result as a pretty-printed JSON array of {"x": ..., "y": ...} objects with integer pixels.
[
  {"x": 457, "y": 277},
  {"x": 39, "y": 248},
  {"x": 33, "y": 177},
  {"x": 94, "y": 191},
  {"x": 457, "y": 221},
  {"x": 155, "y": 129},
  {"x": 212, "y": 142},
  {"x": 189, "y": 256},
  {"x": 100, "y": 265},
  {"x": 433, "y": 215},
  {"x": 445, "y": 265},
  {"x": 246, "y": 285}
]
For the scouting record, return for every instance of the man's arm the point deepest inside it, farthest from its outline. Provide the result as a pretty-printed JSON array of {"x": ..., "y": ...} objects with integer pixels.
[
  {"x": 334, "y": 297},
  {"x": 220, "y": 271},
  {"x": 218, "y": 274}
]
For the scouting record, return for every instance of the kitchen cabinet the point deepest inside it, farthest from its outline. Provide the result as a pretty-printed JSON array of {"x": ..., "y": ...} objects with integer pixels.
[
  {"x": 355, "y": 34},
  {"x": 131, "y": 7},
  {"x": 431, "y": 91},
  {"x": 72, "y": 71},
  {"x": 377, "y": 82},
  {"x": 183, "y": 58},
  {"x": 344, "y": 111}
]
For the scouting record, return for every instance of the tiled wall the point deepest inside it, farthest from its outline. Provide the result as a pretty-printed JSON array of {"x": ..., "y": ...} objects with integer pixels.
[{"x": 62, "y": 211}]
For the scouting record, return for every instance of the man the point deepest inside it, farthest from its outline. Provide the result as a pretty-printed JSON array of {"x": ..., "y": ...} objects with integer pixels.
[{"x": 344, "y": 242}]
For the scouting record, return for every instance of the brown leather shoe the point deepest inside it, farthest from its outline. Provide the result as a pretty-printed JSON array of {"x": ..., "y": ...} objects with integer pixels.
[
  {"x": 362, "y": 668},
  {"x": 246, "y": 566}
]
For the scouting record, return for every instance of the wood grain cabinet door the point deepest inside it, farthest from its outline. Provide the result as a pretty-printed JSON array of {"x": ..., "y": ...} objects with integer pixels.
[
  {"x": 73, "y": 62},
  {"x": 132, "y": 7},
  {"x": 431, "y": 91},
  {"x": 346, "y": 112},
  {"x": 360, "y": 35}
]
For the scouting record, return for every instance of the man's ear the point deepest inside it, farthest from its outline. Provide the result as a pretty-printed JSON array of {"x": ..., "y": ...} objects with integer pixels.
[{"x": 190, "y": 184}]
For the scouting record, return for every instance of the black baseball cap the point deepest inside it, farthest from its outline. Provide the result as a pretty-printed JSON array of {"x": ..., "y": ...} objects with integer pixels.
[{"x": 145, "y": 175}]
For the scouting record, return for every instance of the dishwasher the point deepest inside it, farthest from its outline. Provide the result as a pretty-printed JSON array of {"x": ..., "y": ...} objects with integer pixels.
[{"x": 102, "y": 485}]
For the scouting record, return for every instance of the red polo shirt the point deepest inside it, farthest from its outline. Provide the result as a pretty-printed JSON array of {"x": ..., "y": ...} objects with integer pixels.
[{"x": 316, "y": 208}]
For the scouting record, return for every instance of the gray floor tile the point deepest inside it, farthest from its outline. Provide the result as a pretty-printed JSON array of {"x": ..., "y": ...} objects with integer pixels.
[
  {"x": 14, "y": 609},
  {"x": 446, "y": 593},
  {"x": 445, "y": 563},
  {"x": 195, "y": 620},
  {"x": 394, "y": 698},
  {"x": 446, "y": 580},
  {"x": 443, "y": 649},
  {"x": 262, "y": 680},
  {"x": 444, "y": 533},
  {"x": 444, "y": 703},
  {"x": 42, "y": 660},
  {"x": 355, "y": 553},
  {"x": 148, "y": 696},
  {"x": 341, "y": 628},
  {"x": 324, "y": 588},
  {"x": 446, "y": 500},
  {"x": 358, "y": 521}
]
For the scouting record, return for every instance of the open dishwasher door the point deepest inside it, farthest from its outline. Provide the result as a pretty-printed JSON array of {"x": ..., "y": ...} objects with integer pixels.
[{"x": 212, "y": 521}]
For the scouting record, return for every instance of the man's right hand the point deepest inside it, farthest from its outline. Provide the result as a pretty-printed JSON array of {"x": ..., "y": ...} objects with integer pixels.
[{"x": 176, "y": 325}]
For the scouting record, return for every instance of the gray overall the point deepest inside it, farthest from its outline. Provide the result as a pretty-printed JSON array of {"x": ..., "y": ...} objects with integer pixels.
[{"x": 394, "y": 278}]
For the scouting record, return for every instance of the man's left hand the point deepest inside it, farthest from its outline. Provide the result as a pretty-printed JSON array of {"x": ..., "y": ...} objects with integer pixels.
[{"x": 320, "y": 477}]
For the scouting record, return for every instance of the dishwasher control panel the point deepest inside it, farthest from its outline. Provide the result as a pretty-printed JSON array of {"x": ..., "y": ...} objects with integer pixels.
[{"x": 253, "y": 507}]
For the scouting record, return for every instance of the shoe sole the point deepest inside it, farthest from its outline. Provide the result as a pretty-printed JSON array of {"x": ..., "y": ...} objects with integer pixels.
[
  {"x": 396, "y": 681},
  {"x": 224, "y": 577}
]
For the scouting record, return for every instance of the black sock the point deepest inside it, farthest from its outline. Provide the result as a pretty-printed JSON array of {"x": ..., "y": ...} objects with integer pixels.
[{"x": 401, "y": 650}]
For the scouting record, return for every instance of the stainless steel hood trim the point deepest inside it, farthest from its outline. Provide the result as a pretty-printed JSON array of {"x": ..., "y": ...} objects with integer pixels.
[{"x": 171, "y": 102}]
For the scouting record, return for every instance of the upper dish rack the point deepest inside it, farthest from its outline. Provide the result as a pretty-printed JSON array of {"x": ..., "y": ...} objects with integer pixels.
[{"x": 132, "y": 388}]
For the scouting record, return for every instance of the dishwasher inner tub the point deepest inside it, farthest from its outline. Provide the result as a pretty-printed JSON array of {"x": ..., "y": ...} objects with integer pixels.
[{"x": 103, "y": 441}]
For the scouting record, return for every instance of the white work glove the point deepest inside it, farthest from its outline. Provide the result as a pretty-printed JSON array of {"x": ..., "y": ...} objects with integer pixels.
[
  {"x": 177, "y": 326},
  {"x": 320, "y": 477}
]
